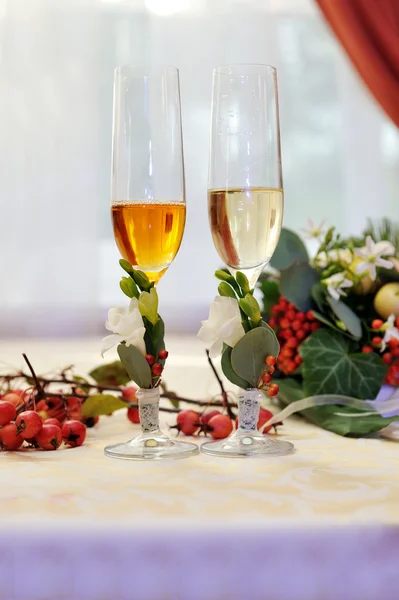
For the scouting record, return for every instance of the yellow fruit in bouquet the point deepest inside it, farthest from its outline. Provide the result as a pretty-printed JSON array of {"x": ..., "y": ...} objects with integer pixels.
[{"x": 386, "y": 301}]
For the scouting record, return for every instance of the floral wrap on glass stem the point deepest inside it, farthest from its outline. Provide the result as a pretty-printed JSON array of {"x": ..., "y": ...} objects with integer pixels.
[
  {"x": 235, "y": 330},
  {"x": 138, "y": 330},
  {"x": 336, "y": 316}
]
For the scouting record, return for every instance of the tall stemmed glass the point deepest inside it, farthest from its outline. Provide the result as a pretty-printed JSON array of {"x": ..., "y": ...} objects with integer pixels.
[
  {"x": 148, "y": 207},
  {"x": 245, "y": 203}
]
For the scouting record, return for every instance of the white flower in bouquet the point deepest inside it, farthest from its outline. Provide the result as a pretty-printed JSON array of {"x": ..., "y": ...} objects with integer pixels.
[
  {"x": 342, "y": 255},
  {"x": 391, "y": 332},
  {"x": 223, "y": 325},
  {"x": 372, "y": 254},
  {"x": 127, "y": 326},
  {"x": 314, "y": 232},
  {"x": 336, "y": 284}
]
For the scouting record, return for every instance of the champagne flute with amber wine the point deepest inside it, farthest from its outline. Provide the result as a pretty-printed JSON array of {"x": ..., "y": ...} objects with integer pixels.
[
  {"x": 148, "y": 207},
  {"x": 245, "y": 205}
]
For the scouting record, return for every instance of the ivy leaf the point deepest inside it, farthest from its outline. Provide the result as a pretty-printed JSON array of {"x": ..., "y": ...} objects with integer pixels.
[
  {"x": 110, "y": 374},
  {"x": 333, "y": 417},
  {"x": 347, "y": 316},
  {"x": 296, "y": 283},
  {"x": 229, "y": 371},
  {"x": 328, "y": 368},
  {"x": 248, "y": 355},
  {"x": 101, "y": 404},
  {"x": 290, "y": 247},
  {"x": 136, "y": 365}
]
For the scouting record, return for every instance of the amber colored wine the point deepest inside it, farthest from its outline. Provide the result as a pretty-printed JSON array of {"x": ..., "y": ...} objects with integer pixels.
[
  {"x": 149, "y": 235},
  {"x": 246, "y": 225}
]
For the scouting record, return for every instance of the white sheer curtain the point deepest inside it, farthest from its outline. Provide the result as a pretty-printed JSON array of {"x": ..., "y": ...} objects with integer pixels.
[{"x": 58, "y": 268}]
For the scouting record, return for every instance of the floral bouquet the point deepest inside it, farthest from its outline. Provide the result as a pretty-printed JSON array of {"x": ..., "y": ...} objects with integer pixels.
[{"x": 336, "y": 316}]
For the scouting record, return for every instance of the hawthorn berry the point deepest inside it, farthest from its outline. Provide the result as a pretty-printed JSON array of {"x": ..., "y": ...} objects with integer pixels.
[
  {"x": 273, "y": 390},
  {"x": 150, "y": 359},
  {"x": 264, "y": 416},
  {"x": 133, "y": 414},
  {"x": 129, "y": 393},
  {"x": 163, "y": 354},
  {"x": 266, "y": 378},
  {"x": 157, "y": 368},
  {"x": 188, "y": 422},
  {"x": 207, "y": 416},
  {"x": 9, "y": 438},
  {"x": 387, "y": 358},
  {"x": 270, "y": 360},
  {"x": 52, "y": 421},
  {"x": 7, "y": 412},
  {"x": 220, "y": 426},
  {"x": 376, "y": 341},
  {"x": 367, "y": 350},
  {"x": 73, "y": 433},
  {"x": 90, "y": 421},
  {"x": 13, "y": 398},
  {"x": 28, "y": 423},
  {"x": 377, "y": 324},
  {"x": 49, "y": 437},
  {"x": 271, "y": 370}
]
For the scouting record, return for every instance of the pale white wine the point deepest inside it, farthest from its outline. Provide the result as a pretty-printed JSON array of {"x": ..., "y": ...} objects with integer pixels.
[{"x": 246, "y": 225}]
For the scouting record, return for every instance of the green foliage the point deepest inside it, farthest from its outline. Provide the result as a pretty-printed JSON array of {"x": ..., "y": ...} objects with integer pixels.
[
  {"x": 248, "y": 355},
  {"x": 383, "y": 229},
  {"x": 296, "y": 283},
  {"x": 141, "y": 280},
  {"x": 243, "y": 282},
  {"x": 290, "y": 248},
  {"x": 224, "y": 275},
  {"x": 101, "y": 404},
  {"x": 328, "y": 368},
  {"x": 225, "y": 289},
  {"x": 270, "y": 295},
  {"x": 148, "y": 305},
  {"x": 347, "y": 316},
  {"x": 136, "y": 365},
  {"x": 129, "y": 288},
  {"x": 249, "y": 305},
  {"x": 113, "y": 373},
  {"x": 327, "y": 417},
  {"x": 229, "y": 371}
]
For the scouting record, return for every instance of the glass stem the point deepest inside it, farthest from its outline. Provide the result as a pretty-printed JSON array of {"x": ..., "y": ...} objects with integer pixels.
[
  {"x": 149, "y": 409},
  {"x": 248, "y": 408}
]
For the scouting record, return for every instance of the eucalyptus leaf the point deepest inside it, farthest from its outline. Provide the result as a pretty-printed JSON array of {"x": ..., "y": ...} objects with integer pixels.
[
  {"x": 289, "y": 248},
  {"x": 136, "y": 365},
  {"x": 229, "y": 371},
  {"x": 328, "y": 368},
  {"x": 296, "y": 283},
  {"x": 333, "y": 417},
  {"x": 113, "y": 373},
  {"x": 347, "y": 316},
  {"x": 101, "y": 404},
  {"x": 248, "y": 355}
]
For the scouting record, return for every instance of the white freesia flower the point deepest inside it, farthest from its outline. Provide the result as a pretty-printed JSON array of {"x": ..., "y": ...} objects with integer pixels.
[
  {"x": 372, "y": 254},
  {"x": 336, "y": 284},
  {"x": 223, "y": 325},
  {"x": 342, "y": 255},
  {"x": 314, "y": 231},
  {"x": 127, "y": 326},
  {"x": 391, "y": 332}
]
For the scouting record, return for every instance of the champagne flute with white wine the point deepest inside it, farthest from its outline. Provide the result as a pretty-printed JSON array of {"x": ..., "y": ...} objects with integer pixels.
[{"x": 245, "y": 189}]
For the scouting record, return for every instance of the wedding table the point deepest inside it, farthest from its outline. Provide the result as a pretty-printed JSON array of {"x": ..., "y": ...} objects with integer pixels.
[{"x": 321, "y": 524}]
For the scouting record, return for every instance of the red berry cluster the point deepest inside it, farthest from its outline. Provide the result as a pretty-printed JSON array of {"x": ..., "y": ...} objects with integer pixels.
[
  {"x": 292, "y": 327},
  {"x": 265, "y": 379},
  {"x": 390, "y": 356},
  {"x": 28, "y": 426},
  {"x": 157, "y": 367}
]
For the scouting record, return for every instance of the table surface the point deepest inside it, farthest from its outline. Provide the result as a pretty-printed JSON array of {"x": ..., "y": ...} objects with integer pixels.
[{"x": 331, "y": 484}]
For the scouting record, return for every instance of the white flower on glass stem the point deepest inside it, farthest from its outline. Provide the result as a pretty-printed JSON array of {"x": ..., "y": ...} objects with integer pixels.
[
  {"x": 223, "y": 325},
  {"x": 314, "y": 231},
  {"x": 127, "y": 326},
  {"x": 372, "y": 254},
  {"x": 336, "y": 284},
  {"x": 391, "y": 332}
]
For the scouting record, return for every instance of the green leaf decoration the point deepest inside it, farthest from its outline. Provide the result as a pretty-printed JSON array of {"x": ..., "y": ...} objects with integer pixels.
[
  {"x": 148, "y": 305},
  {"x": 229, "y": 371},
  {"x": 101, "y": 404},
  {"x": 82, "y": 383},
  {"x": 248, "y": 355},
  {"x": 243, "y": 282},
  {"x": 347, "y": 316},
  {"x": 323, "y": 319},
  {"x": 136, "y": 365},
  {"x": 158, "y": 335},
  {"x": 328, "y": 368},
  {"x": 128, "y": 287},
  {"x": 327, "y": 417},
  {"x": 141, "y": 279},
  {"x": 225, "y": 289},
  {"x": 224, "y": 275},
  {"x": 249, "y": 305},
  {"x": 113, "y": 373},
  {"x": 296, "y": 283},
  {"x": 318, "y": 293},
  {"x": 126, "y": 266},
  {"x": 270, "y": 297},
  {"x": 289, "y": 248}
]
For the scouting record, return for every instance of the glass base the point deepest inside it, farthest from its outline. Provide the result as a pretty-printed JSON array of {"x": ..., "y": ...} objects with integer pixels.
[
  {"x": 151, "y": 446},
  {"x": 244, "y": 442}
]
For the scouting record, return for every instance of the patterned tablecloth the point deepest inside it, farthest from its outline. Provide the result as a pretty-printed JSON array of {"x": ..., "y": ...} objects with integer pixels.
[{"x": 318, "y": 525}]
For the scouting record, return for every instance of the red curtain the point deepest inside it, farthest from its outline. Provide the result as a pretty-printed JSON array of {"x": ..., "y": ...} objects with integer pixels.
[{"x": 369, "y": 32}]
